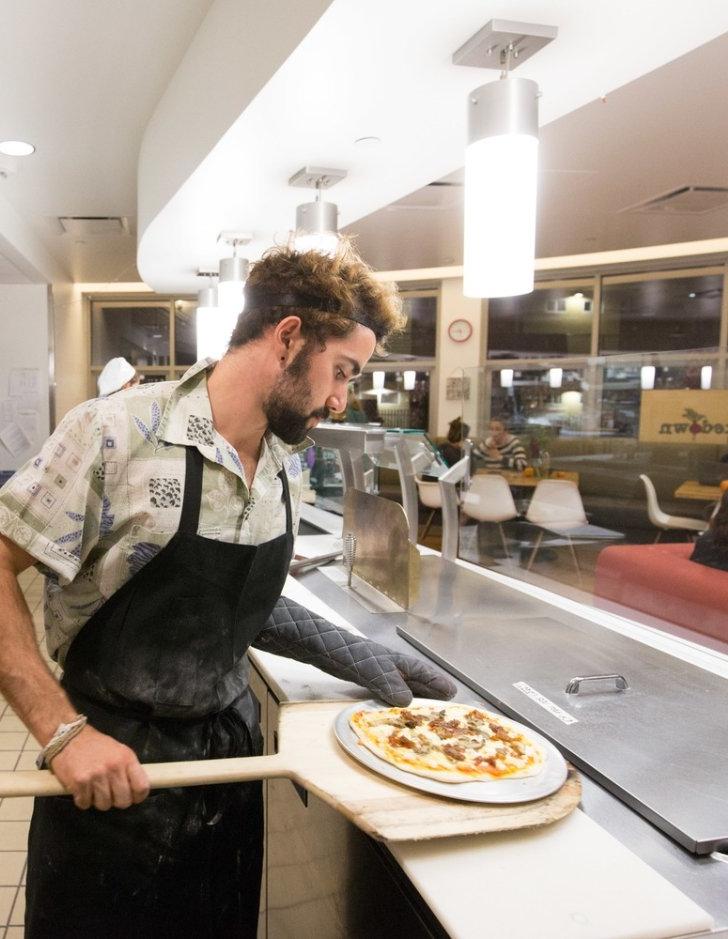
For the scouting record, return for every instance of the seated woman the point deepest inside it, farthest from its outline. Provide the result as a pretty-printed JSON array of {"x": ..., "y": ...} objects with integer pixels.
[
  {"x": 452, "y": 449},
  {"x": 502, "y": 450},
  {"x": 711, "y": 548}
]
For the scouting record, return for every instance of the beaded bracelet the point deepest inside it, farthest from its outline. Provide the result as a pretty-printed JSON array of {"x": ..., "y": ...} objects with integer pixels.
[{"x": 63, "y": 735}]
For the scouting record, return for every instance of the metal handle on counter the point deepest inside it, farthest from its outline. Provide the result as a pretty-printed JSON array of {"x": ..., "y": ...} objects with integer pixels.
[
  {"x": 620, "y": 682},
  {"x": 305, "y": 564}
]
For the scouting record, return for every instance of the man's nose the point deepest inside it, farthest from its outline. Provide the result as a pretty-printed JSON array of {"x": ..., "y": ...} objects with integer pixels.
[{"x": 336, "y": 401}]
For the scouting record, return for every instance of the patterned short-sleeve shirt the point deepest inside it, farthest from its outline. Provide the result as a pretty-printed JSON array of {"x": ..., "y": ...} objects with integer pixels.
[{"x": 104, "y": 494}]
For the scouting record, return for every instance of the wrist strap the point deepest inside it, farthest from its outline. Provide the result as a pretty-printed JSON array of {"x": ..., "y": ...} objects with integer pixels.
[{"x": 63, "y": 735}]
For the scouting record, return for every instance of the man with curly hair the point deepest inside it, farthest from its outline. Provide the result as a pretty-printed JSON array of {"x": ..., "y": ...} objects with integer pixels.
[{"x": 163, "y": 518}]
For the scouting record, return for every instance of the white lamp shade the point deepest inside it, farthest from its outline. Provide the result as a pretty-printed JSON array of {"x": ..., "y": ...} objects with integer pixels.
[
  {"x": 409, "y": 380},
  {"x": 571, "y": 402},
  {"x": 706, "y": 377},
  {"x": 506, "y": 378},
  {"x": 576, "y": 303},
  {"x": 214, "y": 327},
  {"x": 647, "y": 377},
  {"x": 500, "y": 215},
  {"x": 556, "y": 377},
  {"x": 377, "y": 381},
  {"x": 231, "y": 295},
  {"x": 325, "y": 242}
]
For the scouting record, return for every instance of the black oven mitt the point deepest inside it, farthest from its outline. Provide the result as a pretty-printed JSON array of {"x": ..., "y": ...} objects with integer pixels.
[{"x": 295, "y": 632}]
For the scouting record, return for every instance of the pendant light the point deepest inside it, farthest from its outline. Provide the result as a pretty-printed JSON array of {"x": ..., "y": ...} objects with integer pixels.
[
  {"x": 501, "y": 162},
  {"x": 317, "y": 221},
  {"x": 556, "y": 377},
  {"x": 233, "y": 274},
  {"x": 409, "y": 378},
  {"x": 647, "y": 377},
  {"x": 706, "y": 377},
  {"x": 506, "y": 378}
]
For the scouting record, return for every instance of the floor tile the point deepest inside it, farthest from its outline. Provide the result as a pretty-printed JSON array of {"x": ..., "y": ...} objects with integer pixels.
[
  {"x": 15, "y": 932},
  {"x": 8, "y": 759},
  {"x": 12, "y": 866},
  {"x": 7, "y": 898},
  {"x": 26, "y": 760},
  {"x": 13, "y": 741},
  {"x": 17, "y": 917},
  {"x": 14, "y": 836},
  {"x": 9, "y": 722},
  {"x": 16, "y": 810}
]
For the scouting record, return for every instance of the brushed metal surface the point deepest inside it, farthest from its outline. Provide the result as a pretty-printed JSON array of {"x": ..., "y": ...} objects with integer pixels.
[
  {"x": 661, "y": 745},
  {"x": 384, "y": 556}
]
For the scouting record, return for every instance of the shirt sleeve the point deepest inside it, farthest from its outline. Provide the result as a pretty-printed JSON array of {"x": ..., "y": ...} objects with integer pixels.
[{"x": 51, "y": 507}]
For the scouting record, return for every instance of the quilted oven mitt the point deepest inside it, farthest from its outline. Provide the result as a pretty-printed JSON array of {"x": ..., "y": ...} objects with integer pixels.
[{"x": 295, "y": 632}]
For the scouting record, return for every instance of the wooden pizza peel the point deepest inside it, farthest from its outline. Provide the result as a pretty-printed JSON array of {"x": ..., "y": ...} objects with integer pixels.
[{"x": 310, "y": 755}]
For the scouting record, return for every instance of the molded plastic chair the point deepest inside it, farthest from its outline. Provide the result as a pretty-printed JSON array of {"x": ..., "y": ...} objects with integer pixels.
[
  {"x": 431, "y": 498},
  {"x": 556, "y": 506},
  {"x": 664, "y": 522},
  {"x": 489, "y": 499}
]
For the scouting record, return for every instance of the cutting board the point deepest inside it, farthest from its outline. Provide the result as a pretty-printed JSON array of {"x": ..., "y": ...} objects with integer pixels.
[{"x": 310, "y": 756}]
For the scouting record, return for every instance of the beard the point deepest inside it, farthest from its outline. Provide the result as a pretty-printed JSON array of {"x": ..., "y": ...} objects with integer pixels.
[{"x": 286, "y": 407}]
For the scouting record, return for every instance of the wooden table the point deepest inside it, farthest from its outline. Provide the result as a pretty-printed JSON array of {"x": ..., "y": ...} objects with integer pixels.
[
  {"x": 692, "y": 489},
  {"x": 514, "y": 478}
]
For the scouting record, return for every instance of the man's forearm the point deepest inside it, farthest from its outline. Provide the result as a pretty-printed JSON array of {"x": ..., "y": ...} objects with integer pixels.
[{"x": 25, "y": 679}]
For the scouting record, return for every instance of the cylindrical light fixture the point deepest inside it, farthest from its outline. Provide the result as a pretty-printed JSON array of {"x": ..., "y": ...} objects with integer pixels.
[
  {"x": 377, "y": 381},
  {"x": 647, "y": 377},
  {"x": 556, "y": 377},
  {"x": 213, "y": 326},
  {"x": 506, "y": 378},
  {"x": 706, "y": 377},
  {"x": 409, "y": 380},
  {"x": 317, "y": 227},
  {"x": 500, "y": 189},
  {"x": 230, "y": 288}
]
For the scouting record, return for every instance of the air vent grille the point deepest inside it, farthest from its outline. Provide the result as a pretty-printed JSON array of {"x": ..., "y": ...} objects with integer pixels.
[
  {"x": 686, "y": 200},
  {"x": 90, "y": 225}
]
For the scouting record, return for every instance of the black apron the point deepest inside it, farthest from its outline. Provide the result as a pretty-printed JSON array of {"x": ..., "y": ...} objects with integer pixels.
[{"x": 161, "y": 667}]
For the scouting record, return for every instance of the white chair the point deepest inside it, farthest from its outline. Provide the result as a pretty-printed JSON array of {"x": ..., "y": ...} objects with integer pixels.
[
  {"x": 664, "y": 522},
  {"x": 489, "y": 499},
  {"x": 556, "y": 506},
  {"x": 431, "y": 498}
]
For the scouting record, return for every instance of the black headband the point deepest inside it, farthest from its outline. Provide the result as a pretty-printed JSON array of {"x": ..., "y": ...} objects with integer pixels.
[{"x": 257, "y": 298}]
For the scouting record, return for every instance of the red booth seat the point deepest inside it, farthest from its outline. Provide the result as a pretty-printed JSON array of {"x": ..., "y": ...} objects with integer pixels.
[{"x": 661, "y": 580}]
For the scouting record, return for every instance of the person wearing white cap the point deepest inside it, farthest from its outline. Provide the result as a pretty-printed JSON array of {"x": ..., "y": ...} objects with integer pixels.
[{"x": 116, "y": 375}]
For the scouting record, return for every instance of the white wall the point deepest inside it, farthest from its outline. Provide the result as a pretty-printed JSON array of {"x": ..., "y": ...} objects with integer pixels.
[
  {"x": 24, "y": 372},
  {"x": 453, "y": 356}
]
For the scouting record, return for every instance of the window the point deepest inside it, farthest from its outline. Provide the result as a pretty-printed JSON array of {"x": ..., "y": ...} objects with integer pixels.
[
  {"x": 660, "y": 313},
  {"x": 554, "y": 320}
]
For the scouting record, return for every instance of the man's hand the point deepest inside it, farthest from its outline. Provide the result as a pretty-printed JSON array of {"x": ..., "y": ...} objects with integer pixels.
[{"x": 99, "y": 771}]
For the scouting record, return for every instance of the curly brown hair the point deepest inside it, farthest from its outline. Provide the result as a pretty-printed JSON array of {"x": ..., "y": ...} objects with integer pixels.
[{"x": 343, "y": 283}]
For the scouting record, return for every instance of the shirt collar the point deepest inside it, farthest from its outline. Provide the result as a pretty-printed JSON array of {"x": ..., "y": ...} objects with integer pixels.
[{"x": 187, "y": 421}]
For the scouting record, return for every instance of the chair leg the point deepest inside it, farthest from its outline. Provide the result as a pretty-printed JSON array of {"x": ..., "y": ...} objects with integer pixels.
[
  {"x": 576, "y": 560},
  {"x": 427, "y": 525},
  {"x": 535, "y": 549},
  {"x": 659, "y": 535},
  {"x": 503, "y": 539}
]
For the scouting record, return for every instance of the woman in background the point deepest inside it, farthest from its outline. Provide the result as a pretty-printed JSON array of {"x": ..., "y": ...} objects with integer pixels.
[{"x": 502, "y": 450}]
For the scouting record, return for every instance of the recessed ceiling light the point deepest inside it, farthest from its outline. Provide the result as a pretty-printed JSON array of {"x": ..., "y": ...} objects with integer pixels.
[{"x": 16, "y": 148}]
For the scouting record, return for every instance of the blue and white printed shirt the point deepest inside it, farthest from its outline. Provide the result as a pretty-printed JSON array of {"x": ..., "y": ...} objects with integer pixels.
[{"x": 104, "y": 494}]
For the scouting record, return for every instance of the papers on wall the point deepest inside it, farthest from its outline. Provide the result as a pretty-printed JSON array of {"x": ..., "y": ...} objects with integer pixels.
[
  {"x": 24, "y": 381},
  {"x": 14, "y": 438}
]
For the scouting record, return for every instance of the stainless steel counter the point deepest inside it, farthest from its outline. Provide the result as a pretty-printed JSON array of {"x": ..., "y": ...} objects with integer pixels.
[{"x": 447, "y": 600}]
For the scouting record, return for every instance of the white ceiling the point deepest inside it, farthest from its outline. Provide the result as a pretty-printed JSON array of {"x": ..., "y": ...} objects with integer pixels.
[{"x": 100, "y": 68}]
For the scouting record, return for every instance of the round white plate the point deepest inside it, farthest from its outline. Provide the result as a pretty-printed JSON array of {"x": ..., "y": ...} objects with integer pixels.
[{"x": 552, "y": 776}]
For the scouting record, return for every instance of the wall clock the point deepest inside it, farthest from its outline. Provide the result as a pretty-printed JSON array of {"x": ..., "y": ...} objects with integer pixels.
[{"x": 460, "y": 330}]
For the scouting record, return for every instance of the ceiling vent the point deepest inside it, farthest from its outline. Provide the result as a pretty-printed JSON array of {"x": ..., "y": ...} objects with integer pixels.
[
  {"x": 94, "y": 225},
  {"x": 687, "y": 200}
]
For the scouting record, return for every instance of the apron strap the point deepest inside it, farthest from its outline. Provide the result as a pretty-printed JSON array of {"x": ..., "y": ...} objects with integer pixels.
[
  {"x": 286, "y": 498},
  {"x": 190, "y": 516}
]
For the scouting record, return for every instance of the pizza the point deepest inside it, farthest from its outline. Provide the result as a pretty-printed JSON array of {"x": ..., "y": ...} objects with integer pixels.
[{"x": 449, "y": 742}]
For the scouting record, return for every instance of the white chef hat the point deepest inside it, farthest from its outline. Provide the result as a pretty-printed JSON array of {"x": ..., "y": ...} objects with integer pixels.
[{"x": 114, "y": 375}]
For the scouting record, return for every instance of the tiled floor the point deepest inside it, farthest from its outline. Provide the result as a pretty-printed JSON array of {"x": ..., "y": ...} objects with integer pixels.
[{"x": 17, "y": 751}]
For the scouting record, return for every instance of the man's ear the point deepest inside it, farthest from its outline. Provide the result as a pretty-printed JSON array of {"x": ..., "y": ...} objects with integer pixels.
[{"x": 287, "y": 338}]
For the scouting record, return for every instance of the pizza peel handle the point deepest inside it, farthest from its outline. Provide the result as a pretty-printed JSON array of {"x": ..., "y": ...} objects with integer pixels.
[{"x": 161, "y": 775}]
